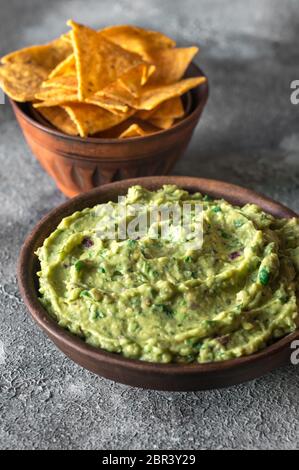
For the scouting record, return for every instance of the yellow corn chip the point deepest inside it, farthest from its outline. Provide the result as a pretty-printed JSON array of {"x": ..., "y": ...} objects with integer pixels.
[
  {"x": 66, "y": 67},
  {"x": 131, "y": 80},
  {"x": 152, "y": 96},
  {"x": 138, "y": 40},
  {"x": 127, "y": 88},
  {"x": 68, "y": 82},
  {"x": 172, "y": 108},
  {"x": 133, "y": 39},
  {"x": 134, "y": 130},
  {"x": 66, "y": 37},
  {"x": 162, "y": 123},
  {"x": 47, "y": 56},
  {"x": 98, "y": 61},
  {"x": 135, "y": 78},
  {"x": 59, "y": 118},
  {"x": 105, "y": 102},
  {"x": 25, "y": 70},
  {"x": 55, "y": 96},
  {"x": 21, "y": 81},
  {"x": 90, "y": 119},
  {"x": 122, "y": 81},
  {"x": 171, "y": 64}
]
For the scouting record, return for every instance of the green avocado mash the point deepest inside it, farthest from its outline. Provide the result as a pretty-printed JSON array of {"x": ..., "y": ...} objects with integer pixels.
[{"x": 159, "y": 301}]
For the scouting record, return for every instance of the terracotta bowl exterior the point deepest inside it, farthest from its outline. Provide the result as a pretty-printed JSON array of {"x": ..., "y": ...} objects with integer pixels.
[
  {"x": 134, "y": 372},
  {"x": 79, "y": 164}
]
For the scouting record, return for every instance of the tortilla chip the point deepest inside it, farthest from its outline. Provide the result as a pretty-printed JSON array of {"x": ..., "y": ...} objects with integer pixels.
[
  {"x": 68, "y": 82},
  {"x": 133, "y": 39},
  {"x": 64, "y": 75},
  {"x": 138, "y": 40},
  {"x": 46, "y": 56},
  {"x": 55, "y": 96},
  {"x": 21, "y": 81},
  {"x": 134, "y": 130},
  {"x": 172, "y": 108},
  {"x": 162, "y": 123},
  {"x": 127, "y": 88},
  {"x": 51, "y": 103},
  {"x": 59, "y": 118},
  {"x": 98, "y": 61},
  {"x": 105, "y": 102},
  {"x": 24, "y": 71},
  {"x": 171, "y": 64},
  {"x": 152, "y": 96},
  {"x": 135, "y": 78},
  {"x": 121, "y": 81},
  {"x": 64, "y": 68},
  {"x": 90, "y": 119},
  {"x": 66, "y": 37},
  {"x": 132, "y": 80}
]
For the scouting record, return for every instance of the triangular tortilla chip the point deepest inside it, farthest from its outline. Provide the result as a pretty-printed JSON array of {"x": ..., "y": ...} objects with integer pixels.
[
  {"x": 162, "y": 123},
  {"x": 59, "y": 118},
  {"x": 153, "y": 96},
  {"x": 172, "y": 108},
  {"x": 171, "y": 64},
  {"x": 66, "y": 37},
  {"x": 128, "y": 87},
  {"x": 105, "y": 102},
  {"x": 133, "y": 39},
  {"x": 25, "y": 70},
  {"x": 21, "y": 81},
  {"x": 90, "y": 119},
  {"x": 64, "y": 68},
  {"x": 138, "y": 40},
  {"x": 55, "y": 96},
  {"x": 98, "y": 61},
  {"x": 46, "y": 56},
  {"x": 131, "y": 80},
  {"x": 122, "y": 80},
  {"x": 130, "y": 83},
  {"x": 69, "y": 82},
  {"x": 134, "y": 130}
]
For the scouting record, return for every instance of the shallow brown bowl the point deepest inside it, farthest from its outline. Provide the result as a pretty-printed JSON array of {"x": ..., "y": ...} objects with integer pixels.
[
  {"x": 134, "y": 372},
  {"x": 79, "y": 164}
]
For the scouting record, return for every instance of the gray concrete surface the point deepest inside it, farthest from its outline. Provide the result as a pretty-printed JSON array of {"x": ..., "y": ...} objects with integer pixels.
[{"x": 249, "y": 135}]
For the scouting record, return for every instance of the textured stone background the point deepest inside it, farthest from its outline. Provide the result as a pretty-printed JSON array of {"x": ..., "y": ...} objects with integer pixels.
[{"x": 248, "y": 135}]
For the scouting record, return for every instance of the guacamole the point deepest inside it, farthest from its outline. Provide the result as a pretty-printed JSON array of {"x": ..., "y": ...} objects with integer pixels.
[{"x": 159, "y": 300}]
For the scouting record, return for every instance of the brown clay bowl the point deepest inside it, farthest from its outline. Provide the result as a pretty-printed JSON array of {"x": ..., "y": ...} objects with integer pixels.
[
  {"x": 79, "y": 164},
  {"x": 134, "y": 372}
]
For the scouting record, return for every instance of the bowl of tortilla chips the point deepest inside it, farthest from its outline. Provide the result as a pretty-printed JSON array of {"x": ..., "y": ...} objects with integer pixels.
[{"x": 100, "y": 106}]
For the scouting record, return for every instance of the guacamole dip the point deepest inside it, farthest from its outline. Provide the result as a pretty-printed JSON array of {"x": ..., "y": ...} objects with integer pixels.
[{"x": 159, "y": 300}]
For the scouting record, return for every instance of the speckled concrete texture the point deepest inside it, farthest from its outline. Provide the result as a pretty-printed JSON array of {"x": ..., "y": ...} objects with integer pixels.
[{"x": 248, "y": 135}]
